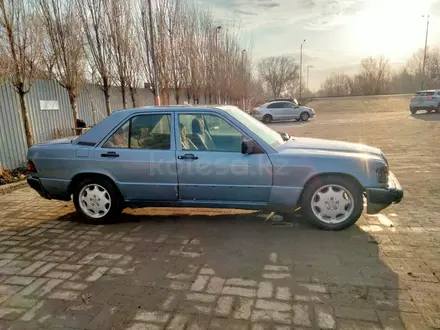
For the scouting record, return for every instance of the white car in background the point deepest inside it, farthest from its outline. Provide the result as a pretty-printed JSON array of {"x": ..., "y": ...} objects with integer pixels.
[
  {"x": 425, "y": 100},
  {"x": 282, "y": 110}
]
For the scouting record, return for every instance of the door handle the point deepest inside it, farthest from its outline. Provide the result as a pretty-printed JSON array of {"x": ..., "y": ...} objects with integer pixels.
[
  {"x": 188, "y": 156},
  {"x": 110, "y": 154}
]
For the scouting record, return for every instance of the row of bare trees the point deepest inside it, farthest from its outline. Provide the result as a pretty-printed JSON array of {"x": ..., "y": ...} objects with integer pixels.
[
  {"x": 111, "y": 43},
  {"x": 377, "y": 77},
  {"x": 374, "y": 78}
]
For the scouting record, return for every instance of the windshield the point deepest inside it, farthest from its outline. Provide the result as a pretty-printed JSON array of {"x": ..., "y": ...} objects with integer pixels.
[{"x": 267, "y": 134}]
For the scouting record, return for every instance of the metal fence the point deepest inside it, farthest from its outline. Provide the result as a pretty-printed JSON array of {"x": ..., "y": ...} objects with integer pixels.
[{"x": 51, "y": 115}]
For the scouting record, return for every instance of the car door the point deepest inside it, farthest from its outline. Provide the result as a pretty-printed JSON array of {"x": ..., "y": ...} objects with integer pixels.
[
  {"x": 290, "y": 111},
  {"x": 276, "y": 109},
  {"x": 210, "y": 165},
  {"x": 140, "y": 156}
]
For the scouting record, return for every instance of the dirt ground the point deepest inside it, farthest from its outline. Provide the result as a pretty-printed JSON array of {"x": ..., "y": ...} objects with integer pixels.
[{"x": 230, "y": 269}]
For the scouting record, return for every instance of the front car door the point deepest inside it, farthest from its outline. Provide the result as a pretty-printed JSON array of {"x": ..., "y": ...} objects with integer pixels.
[
  {"x": 210, "y": 165},
  {"x": 291, "y": 111},
  {"x": 140, "y": 157}
]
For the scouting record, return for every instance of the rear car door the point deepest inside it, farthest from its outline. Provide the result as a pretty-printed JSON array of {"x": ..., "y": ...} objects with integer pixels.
[
  {"x": 211, "y": 167},
  {"x": 140, "y": 156},
  {"x": 276, "y": 109}
]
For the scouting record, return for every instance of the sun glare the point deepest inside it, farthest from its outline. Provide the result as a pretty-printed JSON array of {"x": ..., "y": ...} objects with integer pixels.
[{"x": 393, "y": 28}]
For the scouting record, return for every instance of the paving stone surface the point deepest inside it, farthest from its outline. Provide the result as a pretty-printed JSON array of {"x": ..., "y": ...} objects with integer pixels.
[{"x": 165, "y": 268}]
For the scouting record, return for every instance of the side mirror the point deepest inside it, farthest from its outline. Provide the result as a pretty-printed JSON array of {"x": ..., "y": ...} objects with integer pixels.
[{"x": 249, "y": 147}]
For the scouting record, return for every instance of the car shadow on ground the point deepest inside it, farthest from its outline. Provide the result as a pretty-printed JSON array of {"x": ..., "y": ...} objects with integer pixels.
[
  {"x": 275, "y": 124},
  {"x": 340, "y": 273},
  {"x": 151, "y": 256},
  {"x": 427, "y": 116}
]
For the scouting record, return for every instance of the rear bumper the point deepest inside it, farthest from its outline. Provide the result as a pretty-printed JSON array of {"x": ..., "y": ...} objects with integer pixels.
[
  {"x": 380, "y": 198},
  {"x": 35, "y": 184}
]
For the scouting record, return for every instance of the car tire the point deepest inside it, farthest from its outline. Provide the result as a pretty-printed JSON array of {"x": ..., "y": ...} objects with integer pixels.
[
  {"x": 413, "y": 111},
  {"x": 267, "y": 119},
  {"x": 304, "y": 116},
  {"x": 344, "y": 194},
  {"x": 437, "y": 110},
  {"x": 106, "y": 204}
]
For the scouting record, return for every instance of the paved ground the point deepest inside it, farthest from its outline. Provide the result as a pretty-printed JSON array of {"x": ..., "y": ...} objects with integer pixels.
[{"x": 204, "y": 269}]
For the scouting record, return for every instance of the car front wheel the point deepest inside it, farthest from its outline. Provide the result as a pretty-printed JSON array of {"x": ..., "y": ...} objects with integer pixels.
[
  {"x": 97, "y": 200},
  {"x": 333, "y": 202},
  {"x": 304, "y": 116}
]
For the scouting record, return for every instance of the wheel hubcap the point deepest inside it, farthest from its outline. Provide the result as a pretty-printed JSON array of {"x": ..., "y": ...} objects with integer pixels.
[
  {"x": 94, "y": 200},
  {"x": 304, "y": 116},
  {"x": 332, "y": 204}
]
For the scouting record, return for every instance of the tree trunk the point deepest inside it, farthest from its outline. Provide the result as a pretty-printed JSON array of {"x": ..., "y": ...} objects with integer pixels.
[
  {"x": 124, "y": 95},
  {"x": 74, "y": 106},
  {"x": 133, "y": 96},
  {"x": 177, "y": 95},
  {"x": 106, "y": 90},
  {"x": 108, "y": 107},
  {"x": 188, "y": 95},
  {"x": 26, "y": 121}
]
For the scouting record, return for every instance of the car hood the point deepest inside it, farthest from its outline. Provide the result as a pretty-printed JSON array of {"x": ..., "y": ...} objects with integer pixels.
[
  {"x": 329, "y": 145},
  {"x": 66, "y": 140}
]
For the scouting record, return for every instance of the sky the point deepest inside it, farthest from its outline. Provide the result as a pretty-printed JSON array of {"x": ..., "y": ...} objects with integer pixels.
[{"x": 338, "y": 33}]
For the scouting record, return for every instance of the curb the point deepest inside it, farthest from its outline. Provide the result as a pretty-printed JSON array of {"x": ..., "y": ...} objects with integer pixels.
[{"x": 10, "y": 187}]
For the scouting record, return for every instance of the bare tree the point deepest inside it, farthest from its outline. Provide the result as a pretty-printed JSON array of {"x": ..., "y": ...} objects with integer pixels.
[
  {"x": 338, "y": 84},
  {"x": 65, "y": 46},
  {"x": 21, "y": 45},
  {"x": 121, "y": 25},
  {"x": 277, "y": 73},
  {"x": 375, "y": 75},
  {"x": 96, "y": 29}
]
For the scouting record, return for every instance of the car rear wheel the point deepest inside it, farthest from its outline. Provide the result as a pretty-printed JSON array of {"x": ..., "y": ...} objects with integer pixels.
[
  {"x": 304, "y": 116},
  {"x": 97, "y": 200},
  {"x": 413, "y": 111},
  {"x": 267, "y": 119},
  {"x": 333, "y": 202}
]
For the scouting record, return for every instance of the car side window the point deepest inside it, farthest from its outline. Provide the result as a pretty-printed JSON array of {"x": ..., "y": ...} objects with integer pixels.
[
  {"x": 143, "y": 132},
  {"x": 288, "y": 105},
  {"x": 275, "y": 106},
  {"x": 119, "y": 139},
  {"x": 208, "y": 132}
]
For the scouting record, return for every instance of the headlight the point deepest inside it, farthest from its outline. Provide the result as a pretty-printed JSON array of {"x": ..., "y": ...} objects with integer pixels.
[{"x": 382, "y": 174}]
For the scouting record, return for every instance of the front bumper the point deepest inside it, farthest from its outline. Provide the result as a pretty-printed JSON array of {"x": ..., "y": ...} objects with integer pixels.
[
  {"x": 35, "y": 184},
  {"x": 380, "y": 198}
]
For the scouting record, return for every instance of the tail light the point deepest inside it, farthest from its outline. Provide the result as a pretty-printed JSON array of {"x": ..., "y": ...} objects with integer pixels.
[
  {"x": 31, "y": 166},
  {"x": 382, "y": 174}
]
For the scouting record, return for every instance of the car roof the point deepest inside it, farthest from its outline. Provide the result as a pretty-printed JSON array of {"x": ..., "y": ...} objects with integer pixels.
[
  {"x": 428, "y": 90},
  {"x": 188, "y": 108},
  {"x": 279, "y": 101}
]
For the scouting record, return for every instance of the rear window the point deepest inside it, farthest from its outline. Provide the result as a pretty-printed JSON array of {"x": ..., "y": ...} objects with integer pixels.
[{"x": 424, "y": 93}]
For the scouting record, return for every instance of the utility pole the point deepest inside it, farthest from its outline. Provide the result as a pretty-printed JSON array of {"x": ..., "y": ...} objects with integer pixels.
[
  {"x": 243, "y": 105},
  {"x": 300, "y": 69},
  {"x": 153, "y": 56},
  {"x": 424, "y": 55},
  {"x": 308, "y": 68},
  {"x": 217, "y": 55}
]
